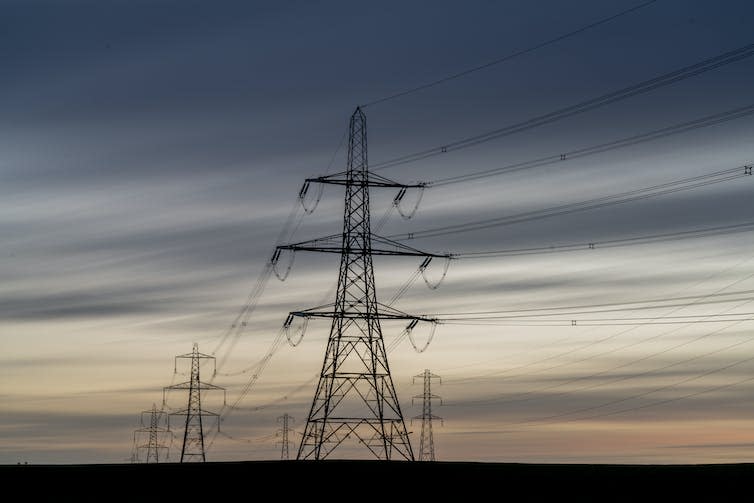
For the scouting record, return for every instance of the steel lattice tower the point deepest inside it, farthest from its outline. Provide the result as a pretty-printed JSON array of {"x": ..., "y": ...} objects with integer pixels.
[
  {"x": 193, "y": 434},
  {"x": 153, "y": 432},
  {"x": 355, "y": 397},
  {"x": 427, "y": 442},
  {"x": 284, "y": 442}
]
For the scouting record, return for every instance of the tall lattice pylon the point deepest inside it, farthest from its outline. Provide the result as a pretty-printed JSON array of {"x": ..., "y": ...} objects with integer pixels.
[
  {"x": 284, "y": 434},
  {"x": 151, "y": 438},
  {"x": 355, "y": 398},
  {"x": 427, "y": 442},
  {"x": 193, "y": 434}
]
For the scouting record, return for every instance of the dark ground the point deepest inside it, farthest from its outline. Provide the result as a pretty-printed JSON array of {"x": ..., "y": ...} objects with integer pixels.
[{"x": 356, "y": 481}]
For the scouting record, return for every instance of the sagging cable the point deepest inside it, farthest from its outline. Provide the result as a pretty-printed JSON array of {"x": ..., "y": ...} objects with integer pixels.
[
  {"x": 399, "y": 197},
  {"x": 276, "y": 259},
  {"x": 302, "y": 197},
  {"x": 423, "y": 269},
  {"x": 300, "y": 331},
  {"x": 409, "y": 330}
]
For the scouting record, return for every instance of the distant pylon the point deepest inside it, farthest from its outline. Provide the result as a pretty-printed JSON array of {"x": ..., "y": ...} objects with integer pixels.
[
  {"x": 155, "y": 434},
  {"x": 355, "y": 398},
  {"x": 193, "y": 434},
  {"x": 285, "y": 428},
  {"x": 427, "y": 442}
]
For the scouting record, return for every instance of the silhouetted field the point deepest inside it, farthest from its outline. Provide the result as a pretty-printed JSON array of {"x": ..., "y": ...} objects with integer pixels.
[{"x": 355, "y": 481}]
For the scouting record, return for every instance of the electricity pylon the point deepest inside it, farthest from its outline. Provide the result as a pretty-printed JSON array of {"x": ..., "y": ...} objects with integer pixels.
[
  {"x": 355, "y": 397},
  {"x": 193, "y": 434},
  {"x": 283, "y": 433},
  {"x": 155, "y": 434},
  {"x": 427, "y": 442}
]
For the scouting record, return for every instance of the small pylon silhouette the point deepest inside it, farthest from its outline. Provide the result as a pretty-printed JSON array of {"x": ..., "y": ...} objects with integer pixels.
[
  {"x": 283, "y": 433},
  {"x": 193, "y": 434},
  {"x": 427, "y": 442},
  {"x": 155, "y": 436}
]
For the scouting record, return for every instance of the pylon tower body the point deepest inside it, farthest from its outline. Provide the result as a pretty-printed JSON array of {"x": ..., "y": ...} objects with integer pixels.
[
  {"x": 355, "y": 398},
  {"x": 285, "y": 428},
  {"x": 427, "y": 441},
  {"x": 155, "y": 433},
  {"x": 193, "y": 433}
]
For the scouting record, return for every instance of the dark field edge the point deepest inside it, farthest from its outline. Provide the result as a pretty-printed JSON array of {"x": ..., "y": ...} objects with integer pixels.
[{"x": 356, "y": 481}]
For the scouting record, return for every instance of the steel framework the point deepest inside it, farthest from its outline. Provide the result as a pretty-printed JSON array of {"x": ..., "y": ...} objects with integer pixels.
[
  {"x": 154, "y": 433},
  {"x": 355, "y": 397},
  {"x": 283, "y": 433},
  {"x": 427, "y": 442},
  {"x": 193, "y": 433}
]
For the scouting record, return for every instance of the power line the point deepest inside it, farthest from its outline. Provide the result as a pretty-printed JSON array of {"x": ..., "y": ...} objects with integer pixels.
[
  {"x": 232, "y": 334},
  {"x": 607, "y": 352},
  {"x": 250, "y": 383},
  {"x": 632, "y": 309},
  {"x": 355, "y": 398},
  {"x": 697, "y": 300},
  {"x": 652, "y": 404},
  {"x": 612, "y": 243},
  {"x": 617, "y": 309},
  {"x": 702, "y": 122},
  {"x": 613, "y": 304},
  {"x": 427, "y": 441},
  {"x": 259, "y": 366},
  {"x": 623, "y": 365},
  {"x": 289, "y": 229},
  {"x": 674, "y": 399},
  {"x": 193, "y": 434},
  {"x": 590, "y": 204},
  {"x": 509, "y": 56},
  {"x": 613, "y": 336},
  {"x": 255, "y": 440},
  {"x": 605, "y": 322},
  {"x": 639, "y": 395},
  {"x": 683, "y": 127},
  {"x": 584, "y": 106},
  {"x": 156, "y": 432},
  {"x": 284, "y": 434},
  {"x": 633, "y": 362}
]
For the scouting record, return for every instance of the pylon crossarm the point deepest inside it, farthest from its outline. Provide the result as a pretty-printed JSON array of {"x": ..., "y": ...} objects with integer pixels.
[
  {"x": 323, "y": 246},
  {"x": 334, "y": 244},
  {"x": 186, "y": 412},
  {"x": 429, "y": 395},
  {"x": 384, "y": 313},
  {"x": 197, "y": 355},
  {"x": 187, "y": 385},
  {"x": 382, "y": 316},
  {"x": 427, "y": 374},
  {"x": 402, "y": 249},
  {"x": 372, "y": 180},
  {"x": 312, "y": 244}
]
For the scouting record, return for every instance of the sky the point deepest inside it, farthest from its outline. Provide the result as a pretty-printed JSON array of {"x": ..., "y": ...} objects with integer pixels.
[{"x": 151, "y": 152}]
